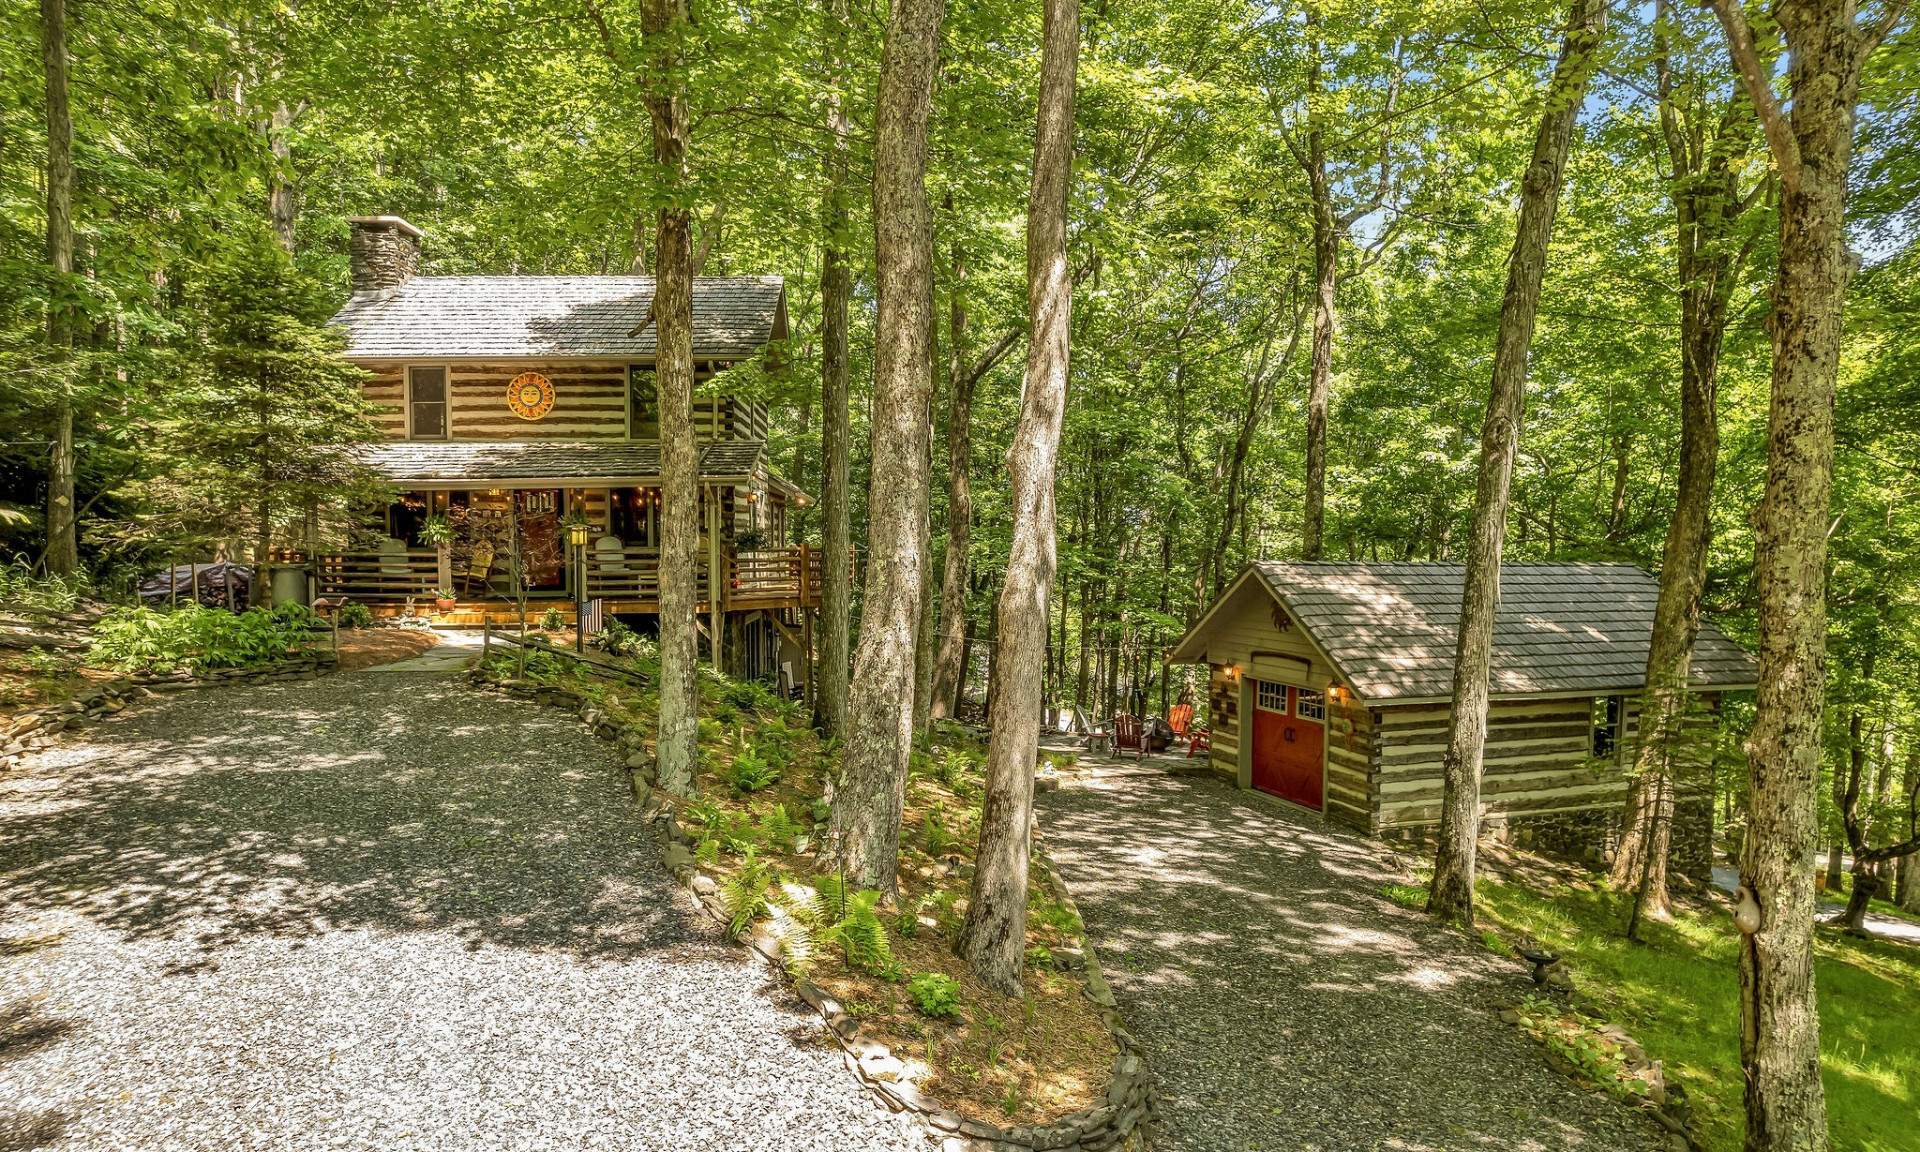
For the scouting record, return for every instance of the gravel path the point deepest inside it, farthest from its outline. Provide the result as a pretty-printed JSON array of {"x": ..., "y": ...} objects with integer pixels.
[
  {"x": 381, "y": 911},
  {"x": 1286, "y": 1004}
]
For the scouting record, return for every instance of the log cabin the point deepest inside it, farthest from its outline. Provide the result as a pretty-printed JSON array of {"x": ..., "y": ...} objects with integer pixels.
[
  {"x": 529, "y": 401},
  {"x": 1330, "y": 684}
]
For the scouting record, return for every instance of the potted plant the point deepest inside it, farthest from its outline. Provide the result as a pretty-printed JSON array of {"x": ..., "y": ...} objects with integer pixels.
[
  {"x": 436, "y": 531},
  {"x": 443, "y": 599}
]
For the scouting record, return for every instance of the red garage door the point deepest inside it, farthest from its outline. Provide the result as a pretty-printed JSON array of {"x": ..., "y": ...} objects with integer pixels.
[{"x": 1289, "y": 742}]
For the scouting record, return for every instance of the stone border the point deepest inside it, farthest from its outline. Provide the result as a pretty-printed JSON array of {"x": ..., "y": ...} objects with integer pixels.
[
  {"x": 1112, "y": 1125},
  {"x": 35, "y": 728}
]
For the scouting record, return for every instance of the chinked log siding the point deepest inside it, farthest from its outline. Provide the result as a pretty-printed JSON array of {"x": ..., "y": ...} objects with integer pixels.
[
  {"x": 1538, "y": 760},
  {"x": 589, "y": 402}
]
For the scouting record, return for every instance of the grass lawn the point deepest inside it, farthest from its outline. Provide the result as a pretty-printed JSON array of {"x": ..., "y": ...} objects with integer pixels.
[{"x": 1677, "y": 995}]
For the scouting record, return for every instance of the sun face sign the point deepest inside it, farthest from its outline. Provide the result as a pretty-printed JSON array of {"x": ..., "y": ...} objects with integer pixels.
[{"x": 530, "y": 395}]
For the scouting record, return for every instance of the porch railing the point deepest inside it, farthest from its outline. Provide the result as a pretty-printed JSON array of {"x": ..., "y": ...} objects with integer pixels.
[
  {"x": 378, "y": 575},
  {"x": 761, "y": 578}
]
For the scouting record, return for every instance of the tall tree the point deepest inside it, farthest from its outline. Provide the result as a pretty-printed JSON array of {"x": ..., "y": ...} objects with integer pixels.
[
  {"x": 663, "y": 24},
  {"x": 1709, "y": 213},
  {"x": 836, "y": 291},
  {"x": 63, "y": 546},
  {"x": 879, "y": 727},
  {"x": 1452, "y": 893},
  {"x": 1812, "y": 145},
  {"x": 949, "y": 677},
  {"x": 994, "y": 937},
  {"x": 1330, "y": 227}
]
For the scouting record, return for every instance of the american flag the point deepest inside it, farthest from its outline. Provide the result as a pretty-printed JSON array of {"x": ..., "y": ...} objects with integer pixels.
[{"x": 591, "y": 624}]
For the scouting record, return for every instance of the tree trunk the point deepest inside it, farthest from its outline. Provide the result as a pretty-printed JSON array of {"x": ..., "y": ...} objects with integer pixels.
[
  {"x": 1780, "y": 1026},
  {"x": 947, "y": 672},
  {"x": 280, "y": 206},
  {"x": 1452, "y": 892},
  {"x": 662, "y": 22},
  {"x": 879, "y": 725},
  {"x": 925, "y": 641},
  {"x": 63, "y": 549},
  {"x": 1326, "y": 272},
  {"x": 1707, "y": 207},
  {"x": 994, "y": 938},
  {"x": 836, "y": 289}
]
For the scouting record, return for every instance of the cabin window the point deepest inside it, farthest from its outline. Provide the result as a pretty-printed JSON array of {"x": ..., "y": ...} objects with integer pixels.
[
  {"x": 1270, "y": 697},
  {"x": 643, "y": 403},
  {"x": 427, "y": 403},
  {"x": 1608, "y": 714},
  {"x": 1310, "y": 705}
]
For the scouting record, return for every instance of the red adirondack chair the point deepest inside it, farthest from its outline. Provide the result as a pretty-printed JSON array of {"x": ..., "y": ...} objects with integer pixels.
[
  {"x": 1127, "y": 735},
  {"x": 1180, "y": 719}
]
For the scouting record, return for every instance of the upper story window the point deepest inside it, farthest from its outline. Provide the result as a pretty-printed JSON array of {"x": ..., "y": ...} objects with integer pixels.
[
  {"x": 714, "y": 417},
  {"x": 427, "y": 403},
  {"x": 643, "y": 403}
]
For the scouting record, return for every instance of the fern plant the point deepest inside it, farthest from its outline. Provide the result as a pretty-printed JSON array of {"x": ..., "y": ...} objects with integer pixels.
[
  {"x": 777, "y": 829},
  {"x": 935, "y": 836},
  {"x": 750, "y": 772},
  {"x": 861, "y": 936},
  {"x": 831, "y": 890},
  {"x": 744, "y": 895}
]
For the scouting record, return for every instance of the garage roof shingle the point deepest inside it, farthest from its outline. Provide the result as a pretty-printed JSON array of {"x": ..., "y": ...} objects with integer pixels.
[{"x": 1390, "y": 628}]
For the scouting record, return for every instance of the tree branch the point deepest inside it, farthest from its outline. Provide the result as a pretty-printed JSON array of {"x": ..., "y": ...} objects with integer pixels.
[{"x": 1754, "y": 75}]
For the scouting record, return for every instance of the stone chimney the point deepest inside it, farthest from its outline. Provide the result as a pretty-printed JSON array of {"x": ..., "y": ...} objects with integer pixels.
[{"x": 384, "y": 253}]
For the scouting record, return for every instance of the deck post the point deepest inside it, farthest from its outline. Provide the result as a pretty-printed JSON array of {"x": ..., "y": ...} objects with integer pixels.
[
  {"x": 716, "y": 579},
  {"x": 806, "y": 652}
]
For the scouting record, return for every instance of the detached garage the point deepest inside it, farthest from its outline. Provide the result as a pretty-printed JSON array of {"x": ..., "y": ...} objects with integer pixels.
[{"x": 1330, "y": 687}]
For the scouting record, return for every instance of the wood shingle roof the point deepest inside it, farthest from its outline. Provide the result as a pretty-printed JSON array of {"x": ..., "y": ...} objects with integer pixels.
[
  {"x": 1561, "y": 629},
  {"x": 555, "y": 463},
  {"x": 558, "y": 317}
]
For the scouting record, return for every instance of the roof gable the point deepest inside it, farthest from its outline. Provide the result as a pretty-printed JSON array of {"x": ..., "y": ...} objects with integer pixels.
[
  {"x": 560, "y": 317},
  {"x": 1569, "y": 629}
]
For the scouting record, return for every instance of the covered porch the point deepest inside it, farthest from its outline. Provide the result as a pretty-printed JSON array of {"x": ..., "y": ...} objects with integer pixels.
[{"x": 511, "y": 511}]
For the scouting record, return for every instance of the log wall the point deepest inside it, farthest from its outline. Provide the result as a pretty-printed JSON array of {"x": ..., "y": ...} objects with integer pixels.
[
  {"x": 1538, "y": 762},
  {"x": 1350, "y": 755},
  {"x": 589, "y": 403}
]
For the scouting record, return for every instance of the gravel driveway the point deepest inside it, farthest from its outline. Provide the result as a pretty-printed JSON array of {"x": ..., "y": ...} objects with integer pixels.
[
  {"x": 1286, "y": 1004},
  {"x": 382, "y": 911}
]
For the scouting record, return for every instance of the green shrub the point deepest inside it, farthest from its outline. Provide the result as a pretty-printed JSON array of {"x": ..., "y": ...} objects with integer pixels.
[
  {"x": 354, "y": 614},
  {"x": 136, "y": 639},
  {"x": 552, "y": 620},
  {"x": 936, "y": 994},
  {"x": 748, "y": 696},
  {"x": 19, "y": 585}
]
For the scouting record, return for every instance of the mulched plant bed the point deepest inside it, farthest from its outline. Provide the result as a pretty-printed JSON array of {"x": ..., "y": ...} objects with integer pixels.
[
  {"x": 762, "y": 824},
  {"x": 366, "y": 647}
]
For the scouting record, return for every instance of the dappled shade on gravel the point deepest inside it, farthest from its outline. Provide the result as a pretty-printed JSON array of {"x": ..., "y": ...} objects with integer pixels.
[
  {"x": 377, "y": 911},
  {"x": 1285, "y": 1004}
]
